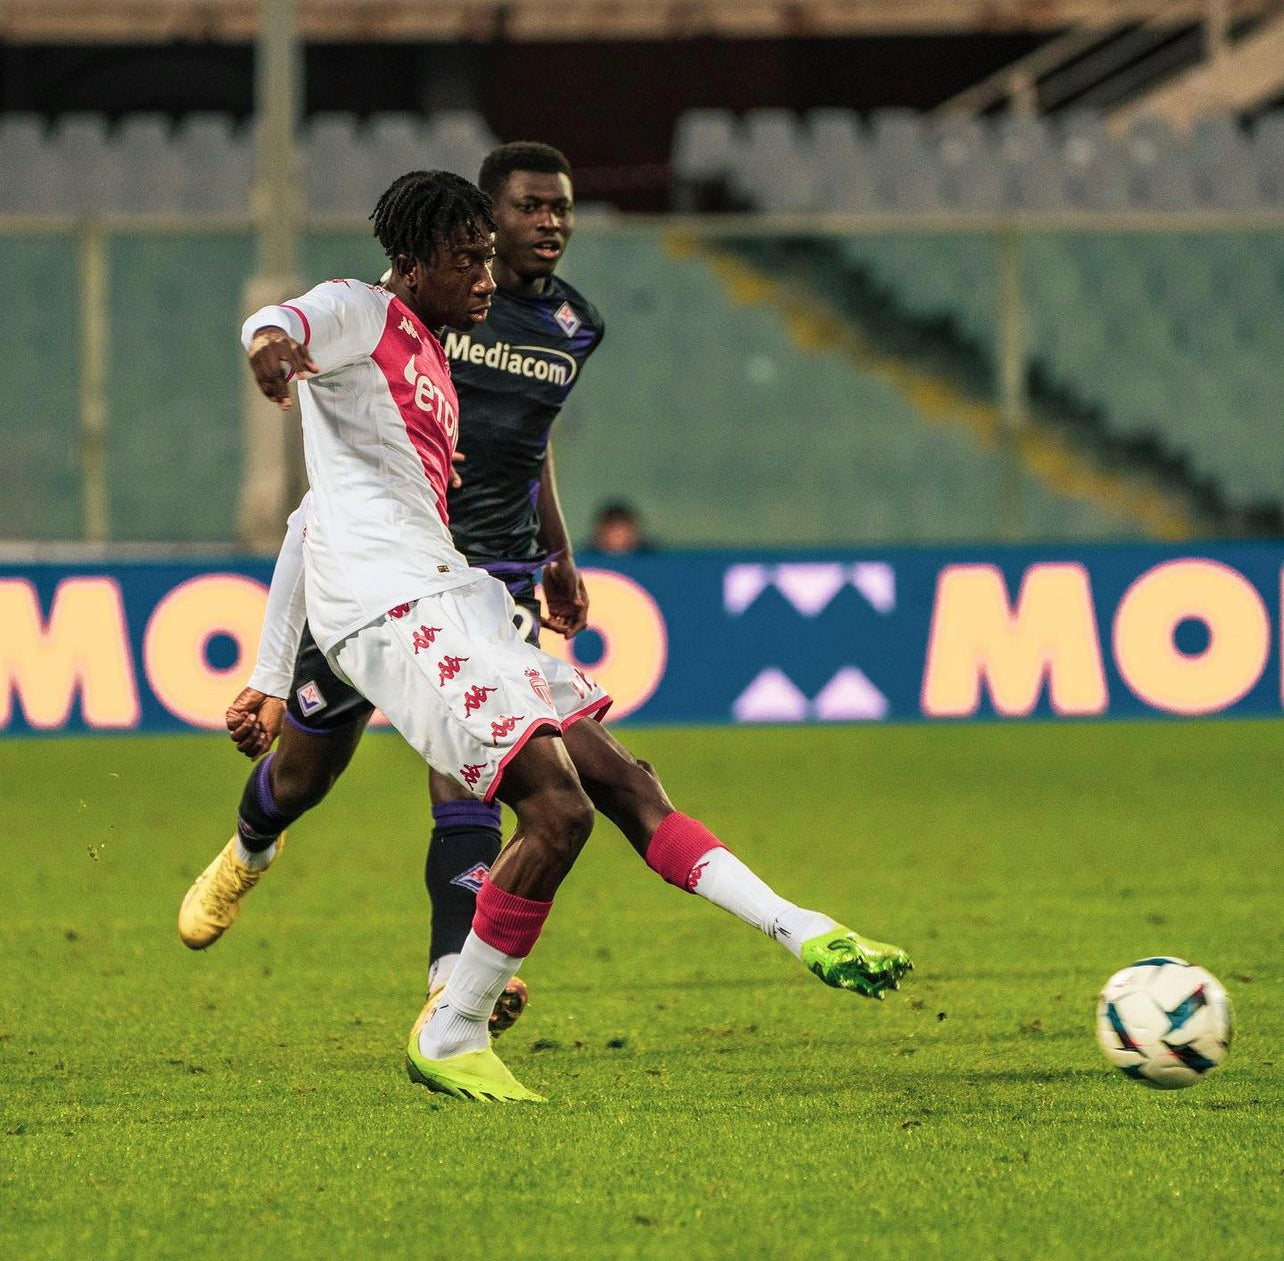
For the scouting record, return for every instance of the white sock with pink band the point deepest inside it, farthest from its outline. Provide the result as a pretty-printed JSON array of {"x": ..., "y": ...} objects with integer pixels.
[
  {"x": 688, "y": 855},
  {"x": 505, "y": 930}
]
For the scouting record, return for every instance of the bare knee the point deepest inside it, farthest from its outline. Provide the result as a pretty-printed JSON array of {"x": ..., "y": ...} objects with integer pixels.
[
  {"x": 558, "y": 822},
  {"x": 573, "y": 818}
]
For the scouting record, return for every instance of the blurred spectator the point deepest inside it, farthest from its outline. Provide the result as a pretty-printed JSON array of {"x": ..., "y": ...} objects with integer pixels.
[{"x": 617, "y": 529}]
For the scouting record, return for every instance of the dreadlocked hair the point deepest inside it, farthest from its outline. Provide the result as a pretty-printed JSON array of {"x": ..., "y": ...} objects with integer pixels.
[{"x": 423, "y": 210}]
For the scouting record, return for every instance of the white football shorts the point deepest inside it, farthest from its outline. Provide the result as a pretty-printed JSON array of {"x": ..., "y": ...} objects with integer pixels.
[{"x": 454, "y": 676}]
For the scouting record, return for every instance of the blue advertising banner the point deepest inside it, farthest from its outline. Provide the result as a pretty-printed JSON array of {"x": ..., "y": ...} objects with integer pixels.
[{"x": 902, "y": 635}]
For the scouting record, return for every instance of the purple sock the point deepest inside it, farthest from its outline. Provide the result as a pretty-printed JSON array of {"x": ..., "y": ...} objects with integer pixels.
[
  {"x": 464, "y": 814},
  {"x": 260, "y": 821}
]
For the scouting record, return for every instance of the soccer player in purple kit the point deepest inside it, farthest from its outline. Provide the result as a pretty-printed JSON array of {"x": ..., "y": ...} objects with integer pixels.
[{"x": 392, "y": 602}]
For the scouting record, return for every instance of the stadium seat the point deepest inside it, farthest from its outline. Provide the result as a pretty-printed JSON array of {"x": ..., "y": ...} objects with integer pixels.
[
  {"x": 904, "y": 163},
  {"x": 873, "y": 467},
  {"x": 1159, "y": 176},
  {"x": 968, "y": 166},
  {"x": 29, "y": 185},
  {"x": 143, "y": 150},
  {"x": 1268, "y": 155},
  {"x": 1221, "y": 161},
  {"x": 1034, "y": 176},
  {"x": 84, "y": 173},
  {"x": 396, "y": 143},
  {"x": 1169, "y": 338},
  {"x": 774, "y": 166},
  {"x": 705, "y": 150},
  {"x": 216, "y": 165},
  {"x": 338, "y": 176},
  {"x": 842, "y": 171},
  {"x": 457, "y": 141},
  {"x": 1096, "y": 165}
]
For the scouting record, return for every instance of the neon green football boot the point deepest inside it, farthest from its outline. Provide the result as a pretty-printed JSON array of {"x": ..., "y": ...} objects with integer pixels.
[
  {"x": 476, "y": 1075},
  {"x": 847, "y": 961}
]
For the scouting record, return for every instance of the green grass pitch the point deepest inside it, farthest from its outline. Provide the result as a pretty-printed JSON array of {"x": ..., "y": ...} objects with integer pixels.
[{"x": 708, "y": 1098}]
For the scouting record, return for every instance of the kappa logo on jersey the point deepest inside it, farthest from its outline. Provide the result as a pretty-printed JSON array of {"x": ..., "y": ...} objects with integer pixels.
[
  {"x": 430, "y": 398},
  {"x": 476, "y": 697},
  {"x": 423, "y": 638},
  {"x": 407, "y": 327},
  {"x": 537, "y": 363},
  {"x": 471, "y": 774},
  {"x": 399, "y": 610},
  {"x": 539, "y": 685},
  {"x": 566, "y": 317},
  {"x": 503, "y": 725},
  {"x": 310, "y": 699},
  {"x": 472, "y": 878},
  {"x": 447, "y": 668}
]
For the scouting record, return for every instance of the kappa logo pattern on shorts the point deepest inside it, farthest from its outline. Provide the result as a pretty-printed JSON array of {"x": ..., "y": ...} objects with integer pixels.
[{"x": 454, "y": 676}]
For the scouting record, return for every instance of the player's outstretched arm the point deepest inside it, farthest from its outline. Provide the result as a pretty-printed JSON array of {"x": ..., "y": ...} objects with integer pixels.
[
  {"x": 275, "y": 358},
  {"x": 564, "y": 590}
]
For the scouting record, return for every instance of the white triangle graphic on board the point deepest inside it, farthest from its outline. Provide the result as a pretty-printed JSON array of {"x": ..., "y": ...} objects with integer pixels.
[
  {"x": 876, "y": 581},
  {"x": 849, "y": 695},
  {"x": 771, "y": 697},
  {"x": 742, "y": 585},
  {"x": 810, "y": 587}
]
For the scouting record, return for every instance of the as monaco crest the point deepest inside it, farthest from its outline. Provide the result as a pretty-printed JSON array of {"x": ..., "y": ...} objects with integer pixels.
[{"x": 539, "y": 685}]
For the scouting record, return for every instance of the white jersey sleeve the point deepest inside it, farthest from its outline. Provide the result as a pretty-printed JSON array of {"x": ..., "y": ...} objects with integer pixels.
[
  {"x": 285, "y": 614},
  {"x": 339, "y": 322}
]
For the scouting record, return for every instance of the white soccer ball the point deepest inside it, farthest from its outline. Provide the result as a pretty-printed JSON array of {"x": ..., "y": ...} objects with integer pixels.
[{"x": 1164, "y": 1022}]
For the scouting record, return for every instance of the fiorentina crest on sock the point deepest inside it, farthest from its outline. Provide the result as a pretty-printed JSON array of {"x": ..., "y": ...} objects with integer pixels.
[{"x": 472, "y": 878}]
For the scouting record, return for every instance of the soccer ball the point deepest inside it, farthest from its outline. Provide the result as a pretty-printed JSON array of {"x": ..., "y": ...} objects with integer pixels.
[{"x": 1164, "y": 1022}]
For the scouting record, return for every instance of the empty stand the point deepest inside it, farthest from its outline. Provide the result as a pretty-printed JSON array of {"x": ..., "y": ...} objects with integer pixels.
[
  {"x": 202, "y": 165},
  {"x": 894, "y": 161}
]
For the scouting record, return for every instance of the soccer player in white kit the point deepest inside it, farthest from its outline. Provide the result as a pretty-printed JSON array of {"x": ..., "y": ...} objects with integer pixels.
[{"x": 399, "y": 613}]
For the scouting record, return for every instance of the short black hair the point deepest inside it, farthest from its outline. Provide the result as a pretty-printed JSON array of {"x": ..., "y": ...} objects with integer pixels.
[
  {"x": 423, "y": 210},
  {"x": 520, "y": 155}
]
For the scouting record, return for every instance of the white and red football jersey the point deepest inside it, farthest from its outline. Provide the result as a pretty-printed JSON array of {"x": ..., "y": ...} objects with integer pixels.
[{"x": 380, "y": 420}]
